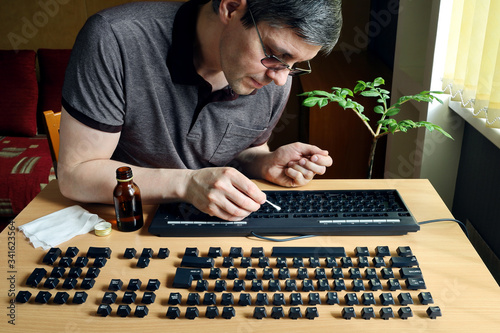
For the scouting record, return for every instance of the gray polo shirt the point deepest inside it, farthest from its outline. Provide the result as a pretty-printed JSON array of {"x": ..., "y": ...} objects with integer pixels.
[{"x": 131, "y": 71}]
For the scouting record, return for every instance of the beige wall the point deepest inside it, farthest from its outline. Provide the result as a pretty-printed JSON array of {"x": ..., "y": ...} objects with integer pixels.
[{"x": 34, "y": 24}]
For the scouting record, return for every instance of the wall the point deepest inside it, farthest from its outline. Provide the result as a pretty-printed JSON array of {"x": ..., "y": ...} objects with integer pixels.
[
  {"x": 422, "y": 36},
  {"x": 28, "y": 24}
]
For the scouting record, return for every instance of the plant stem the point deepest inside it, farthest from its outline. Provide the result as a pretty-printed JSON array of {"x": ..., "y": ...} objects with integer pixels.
[
  {"x": 365, "y": 122},
  {"x": 372, "y": 156}
]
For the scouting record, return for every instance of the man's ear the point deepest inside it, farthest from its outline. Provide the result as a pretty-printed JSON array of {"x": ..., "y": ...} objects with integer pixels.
[{"x": 228, "y": 8}]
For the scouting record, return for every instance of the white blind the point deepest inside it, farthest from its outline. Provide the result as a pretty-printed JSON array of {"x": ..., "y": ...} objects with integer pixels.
[{"x": 472, "y": 70}]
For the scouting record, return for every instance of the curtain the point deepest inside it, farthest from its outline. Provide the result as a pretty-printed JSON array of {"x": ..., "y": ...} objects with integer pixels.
[{"x": 472, "y": 70}]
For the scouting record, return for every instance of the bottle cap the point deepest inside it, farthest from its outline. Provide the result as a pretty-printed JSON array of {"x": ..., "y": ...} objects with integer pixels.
[{"x": 102, "y": 228}]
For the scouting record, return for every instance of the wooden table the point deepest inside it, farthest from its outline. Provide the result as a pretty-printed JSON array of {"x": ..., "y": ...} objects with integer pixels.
[{"x": 461, "y": 286}]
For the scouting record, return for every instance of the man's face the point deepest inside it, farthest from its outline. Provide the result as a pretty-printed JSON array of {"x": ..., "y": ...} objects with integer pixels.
[{"x": 241, "y": 53}]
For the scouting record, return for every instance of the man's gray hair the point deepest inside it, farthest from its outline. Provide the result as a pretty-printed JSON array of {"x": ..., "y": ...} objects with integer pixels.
[{"x": 318, "y": 22}]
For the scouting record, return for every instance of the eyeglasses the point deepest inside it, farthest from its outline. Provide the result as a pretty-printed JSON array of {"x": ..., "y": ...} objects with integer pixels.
[{"x": 276, "y": 64}]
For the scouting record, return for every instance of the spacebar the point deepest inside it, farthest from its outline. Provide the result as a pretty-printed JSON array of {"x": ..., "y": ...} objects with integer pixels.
[{"x": 304, "y": 252}]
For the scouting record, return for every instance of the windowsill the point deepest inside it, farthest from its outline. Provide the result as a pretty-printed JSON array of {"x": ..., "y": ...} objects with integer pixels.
[{"x": 492, "y": 134}]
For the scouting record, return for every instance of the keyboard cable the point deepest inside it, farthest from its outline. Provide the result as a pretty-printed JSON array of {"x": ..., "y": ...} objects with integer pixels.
[
  {"x": 308, "y": 236},
  {"x": 281, "y": 240},
  {"x": 464, "y": 228}
]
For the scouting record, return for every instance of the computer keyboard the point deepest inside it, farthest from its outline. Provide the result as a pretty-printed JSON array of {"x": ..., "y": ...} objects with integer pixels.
[
  {"x": 327, "y": 212},
  {"x": 227, "y": 282}
]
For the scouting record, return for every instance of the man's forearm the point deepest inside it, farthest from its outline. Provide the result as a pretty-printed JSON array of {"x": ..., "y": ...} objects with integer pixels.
[
  {"x": 252, "y": 161},
  {"x": 94, "y": 181}
]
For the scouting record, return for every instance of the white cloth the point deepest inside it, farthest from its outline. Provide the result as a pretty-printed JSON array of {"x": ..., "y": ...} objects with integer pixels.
[{"x": 53, "y": 229}]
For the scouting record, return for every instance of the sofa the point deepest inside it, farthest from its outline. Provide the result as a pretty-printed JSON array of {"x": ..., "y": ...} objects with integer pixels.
[{"x": 30, "y": 83}]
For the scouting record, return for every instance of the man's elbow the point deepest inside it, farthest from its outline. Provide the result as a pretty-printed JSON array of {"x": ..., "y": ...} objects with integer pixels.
[{"x": 65, "y": 184}]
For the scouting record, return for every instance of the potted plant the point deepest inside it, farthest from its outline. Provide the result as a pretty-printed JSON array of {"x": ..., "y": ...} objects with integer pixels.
[{"x": 385, "y": 125}]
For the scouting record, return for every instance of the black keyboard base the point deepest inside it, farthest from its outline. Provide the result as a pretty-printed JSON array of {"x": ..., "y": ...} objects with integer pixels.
[{"x": 389, "y": 217}]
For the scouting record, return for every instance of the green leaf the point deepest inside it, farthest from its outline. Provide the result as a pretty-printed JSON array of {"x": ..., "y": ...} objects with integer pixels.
[
  {"x": 403, "y": 99},
  {"x": 387, "y": 122},
  {"x": 360, "y": 108},
  {"x": 323, "y": 102},
  {"x": 422, "y": 97},
  {"x": 418, "y": 98},
  {"x": 430, "y": 127},
  {"x": 392, "y": 112},
  {"x": 344, "y": 92},
  {"x": 379, "y": 109},
  {"x": 321, "y": 93},
  {"x": 427, "y": 99},
  {"x": 350, "y": 104},
  {"x": 402, "y": 128},
  {"x": 442, "y": 131},
  {"x": 378, "y": 81},
  {"x": 388, "y": 125},
  {"x": 365, "y": 118},
  {"x": 360, "y": 86},
  {"x": 437, "y": 99},
  {"x": 316, "y": 93},
  {"x": 370, "y": 93},
  {"x": 407, "y": 123},
  {"x": 343, "y": 103},
  {"x": 312, "y": 101}
]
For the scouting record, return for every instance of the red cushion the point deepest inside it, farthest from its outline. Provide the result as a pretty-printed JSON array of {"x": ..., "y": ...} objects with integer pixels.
[
  {"x": 52, "y": 64},
  {"x": 25, "y": 167},
  {"x": 18, "y": 93}
]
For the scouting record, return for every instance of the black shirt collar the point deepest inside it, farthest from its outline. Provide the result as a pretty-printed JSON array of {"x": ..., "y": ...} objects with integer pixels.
[{"x": 180, "y": 56}]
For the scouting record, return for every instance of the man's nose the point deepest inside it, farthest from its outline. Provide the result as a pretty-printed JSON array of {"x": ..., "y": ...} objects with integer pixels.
[{"x": 279, "y": 77}]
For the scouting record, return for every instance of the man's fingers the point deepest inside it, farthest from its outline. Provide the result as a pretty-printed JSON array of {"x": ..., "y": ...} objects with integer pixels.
[
  {"x": 228, "y": 211},
  {"x": 297, "y": 177},
  {"x": 323, "y": 160},
  {"x": 233, "y": 196},
  {"x": 306, "y": 172},
  {"x": 245, "y": 193},
  {"x": 307, "y": 167}
]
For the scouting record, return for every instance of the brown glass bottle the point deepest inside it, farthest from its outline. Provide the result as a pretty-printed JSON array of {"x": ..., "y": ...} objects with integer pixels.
[{"x": 128, "y": 204}]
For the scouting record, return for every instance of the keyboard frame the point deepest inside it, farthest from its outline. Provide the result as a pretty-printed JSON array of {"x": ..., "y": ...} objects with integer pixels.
[{"x": 184, "y": 220}]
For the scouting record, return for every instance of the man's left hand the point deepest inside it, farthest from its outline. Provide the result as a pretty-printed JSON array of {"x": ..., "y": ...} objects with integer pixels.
[{"x": 296, "y": 164}]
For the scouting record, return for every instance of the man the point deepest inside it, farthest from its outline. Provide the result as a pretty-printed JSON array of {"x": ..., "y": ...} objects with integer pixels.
[{"x": 181, "y": 91}]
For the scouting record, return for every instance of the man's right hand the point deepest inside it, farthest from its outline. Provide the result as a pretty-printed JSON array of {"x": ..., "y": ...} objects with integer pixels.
[{"x": 223, "y": 192}]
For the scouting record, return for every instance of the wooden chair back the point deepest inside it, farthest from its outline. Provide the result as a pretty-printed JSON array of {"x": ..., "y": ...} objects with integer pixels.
[{"x": 52, "y": 123}]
